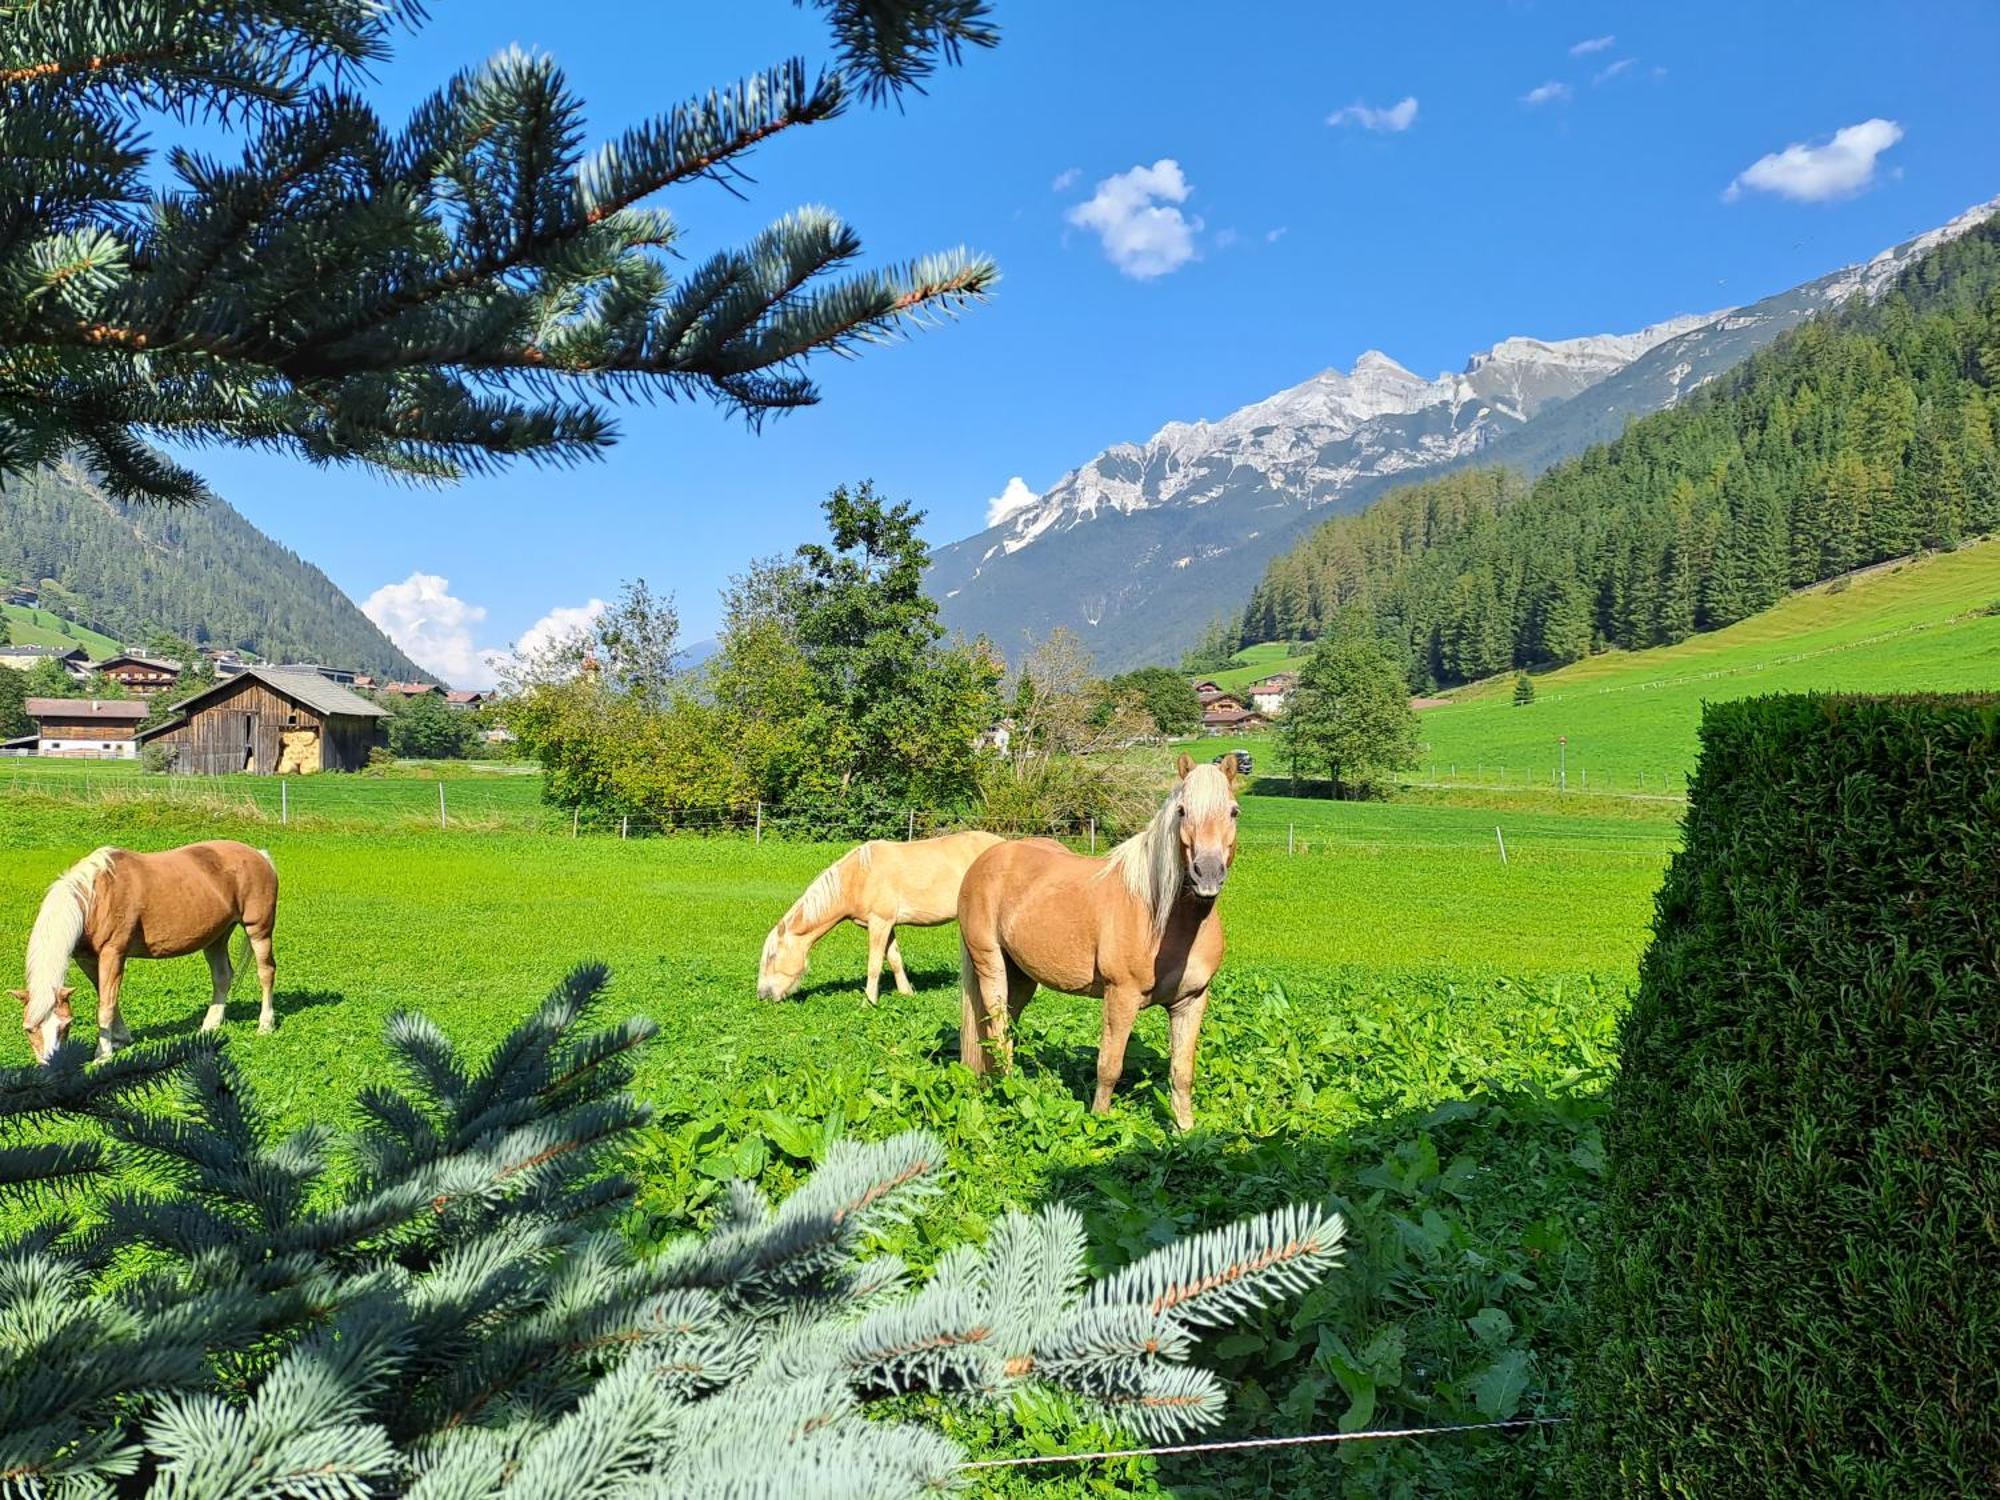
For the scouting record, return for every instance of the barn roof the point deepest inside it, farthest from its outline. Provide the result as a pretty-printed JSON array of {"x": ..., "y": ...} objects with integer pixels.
[{"x": 301, "y": 685}]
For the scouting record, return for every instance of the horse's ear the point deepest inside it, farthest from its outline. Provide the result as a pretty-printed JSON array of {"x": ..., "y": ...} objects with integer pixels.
[
  {"x": 20, "y": 995},
  {"x": 63, "y": 992},
  {"x": 1184, "y": 765},
  {"x": 1229, "y": 769}
]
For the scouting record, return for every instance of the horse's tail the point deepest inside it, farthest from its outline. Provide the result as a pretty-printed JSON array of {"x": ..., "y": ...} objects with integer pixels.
[{"x": 971, "y": 1045}]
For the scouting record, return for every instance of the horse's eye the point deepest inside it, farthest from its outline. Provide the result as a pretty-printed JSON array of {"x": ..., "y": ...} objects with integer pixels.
[{"x": 1235, "y": 811}]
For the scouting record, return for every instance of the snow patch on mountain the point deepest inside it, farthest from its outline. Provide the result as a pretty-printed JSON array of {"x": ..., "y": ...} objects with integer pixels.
[{"x": 1318, "y": 438}]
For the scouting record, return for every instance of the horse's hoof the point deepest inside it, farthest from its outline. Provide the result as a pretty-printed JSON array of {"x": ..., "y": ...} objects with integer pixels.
[{"x": 266, "y": 1026}]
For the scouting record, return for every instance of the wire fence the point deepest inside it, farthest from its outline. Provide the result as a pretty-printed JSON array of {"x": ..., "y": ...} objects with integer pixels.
[{"x": 511, "y": 804}]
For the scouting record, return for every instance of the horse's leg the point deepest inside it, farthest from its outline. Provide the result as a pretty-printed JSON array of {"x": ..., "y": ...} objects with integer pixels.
[
  {"x": 903, "y": 985},
  {"x": 267, "y": 975},
  {"x": 111, "y": 1032},
  {"x": 1120, "y": 1007},
  {"x": 879, "y": 933},
  {"x": 220, "y": 972},
  {"x": 1184, "y": 1026}
]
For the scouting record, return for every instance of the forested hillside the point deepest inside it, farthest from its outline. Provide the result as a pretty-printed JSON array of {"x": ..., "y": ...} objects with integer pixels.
[
  {"x": 1865, "y": 434},
  {"x": 202, "y": 572}
]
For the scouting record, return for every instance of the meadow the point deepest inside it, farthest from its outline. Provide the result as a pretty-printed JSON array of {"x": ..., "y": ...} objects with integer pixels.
[
  {"x": 1404, "y": 1024},
  {"x": 28, "y": 626},
  {"x": 1631, "y": 717}
]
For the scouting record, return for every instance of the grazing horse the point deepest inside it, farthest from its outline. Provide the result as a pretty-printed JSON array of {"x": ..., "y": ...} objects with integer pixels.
[
  {"x": 1138, "y": 927},
  {"x": 881, "y": 886},
  {"x": 112, "y": 905}
]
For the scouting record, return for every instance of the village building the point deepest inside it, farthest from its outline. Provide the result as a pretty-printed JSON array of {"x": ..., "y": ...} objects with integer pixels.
[
  {"x": 85, "y": 728},
  {"x": 144, "y": 675},
  {"x": 270, "y": 721},
  {"x": 27, "y": 658},
  {"x": 1267, "y": 695},
  {"x": 1231, "y": 719},
  {"x": 464, "y": 698},
  {"x": 26, "y": 595},
  {"x": 1216, "y": 698},
  {"x": 1207, "y": 685},
  {"x": 413, "y": 689}
]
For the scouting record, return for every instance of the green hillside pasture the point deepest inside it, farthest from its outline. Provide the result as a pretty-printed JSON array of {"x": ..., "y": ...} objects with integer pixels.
[
  {"x": 1402, "y": 1023},
  {"x": 1255, "y": 662},
  {"x": 1916, "y": 626},
  {"x": 37, "y": 627}
]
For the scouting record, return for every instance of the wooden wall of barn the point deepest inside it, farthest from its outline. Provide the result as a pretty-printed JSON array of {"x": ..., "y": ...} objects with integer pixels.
[{"x": 238, "y": 730}]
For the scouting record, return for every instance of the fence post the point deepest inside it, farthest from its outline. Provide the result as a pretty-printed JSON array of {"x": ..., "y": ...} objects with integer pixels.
[
  {"x": 284, "y": 800},
  {"x": 1290, "y": 829},
  {"x": 758, "y": 837},
  {"x": 440, "y": 804},
  {"x": 1093, "y": 835},
  {"x": 911, "y": 835},
  {"x": 575, "y": 819},
  {"x": 1503, "y": 843},
  {"x": 624, "y": 823}
]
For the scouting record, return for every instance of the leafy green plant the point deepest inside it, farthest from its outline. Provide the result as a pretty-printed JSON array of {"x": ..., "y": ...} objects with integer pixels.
[{"x": 435, "y": 1304}]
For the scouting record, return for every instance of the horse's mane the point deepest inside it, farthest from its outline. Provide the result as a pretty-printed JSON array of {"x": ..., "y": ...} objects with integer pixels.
[
  {"x": 1150, "y": 862},
  {"x": 58, "y": 925},
  {"x": 818, "y": 897}
]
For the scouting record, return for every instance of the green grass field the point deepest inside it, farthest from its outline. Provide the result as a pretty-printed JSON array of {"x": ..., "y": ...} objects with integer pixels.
[
  {"x": 1254, "y": 662},
  {"x": 1915, "y": 626},
  {"x": 38, "y": 627},
  {"x": 1403, "y": 1023}
]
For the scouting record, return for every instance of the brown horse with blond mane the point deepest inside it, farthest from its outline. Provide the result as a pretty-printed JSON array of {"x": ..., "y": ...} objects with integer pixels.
[
  {"x": 881, "y": 885},
  {"x": 1138, "y": 928},
  {"x": 112, "y": 905}
]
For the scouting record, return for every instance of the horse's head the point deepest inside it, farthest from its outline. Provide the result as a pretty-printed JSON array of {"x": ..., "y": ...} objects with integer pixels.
[
  {"x": 46, "y": 1019},
  {"x": 1207, "y": 824},
  {"x": 783, "y": 964}
]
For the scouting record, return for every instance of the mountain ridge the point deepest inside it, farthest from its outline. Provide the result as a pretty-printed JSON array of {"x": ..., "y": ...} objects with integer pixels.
[
  {"x": 1159, "y": 538},
  {"x": 204, "y": 572}
]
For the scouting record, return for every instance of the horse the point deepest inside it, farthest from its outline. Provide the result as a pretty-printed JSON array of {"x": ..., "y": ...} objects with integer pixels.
[
  {"x": 113, "y": 904},
  {"x": 1138, "y": 927},
  {"x": 881, "y": 885}
]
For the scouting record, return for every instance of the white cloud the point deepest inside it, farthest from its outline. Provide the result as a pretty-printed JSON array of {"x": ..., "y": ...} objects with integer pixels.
[
  {"x": 1011, "y": 501},
  {"x": 1546, "y": 93},
  {"x": 1592, "y": 44},
  {"x": 1395, "y": 117},
  {"x": 1614, "y": 70},
  {"x": 440, "y": 631},
  {"x": 1272, "y": 236},
  {"x": 1065, "y": 180},
  {"x": 1133, "y": 215},
  {"x": 431, "y": 627},
  {"x": 558, "y": 625},
  {"x": 1814, "y": 173},
  {"x": 1224, "y": 238}
]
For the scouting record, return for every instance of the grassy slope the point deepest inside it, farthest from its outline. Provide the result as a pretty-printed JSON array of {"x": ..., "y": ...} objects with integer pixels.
[
  {"x": 1402, "y": 1022},
  {"x": 1255, "y": 662},
  {"x": 1905, "y": 627},
  {"x": 37, "y": 627}
]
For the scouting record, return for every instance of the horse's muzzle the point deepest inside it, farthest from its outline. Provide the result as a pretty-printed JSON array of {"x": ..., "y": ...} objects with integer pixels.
[{"x": 1206, "y": 878}]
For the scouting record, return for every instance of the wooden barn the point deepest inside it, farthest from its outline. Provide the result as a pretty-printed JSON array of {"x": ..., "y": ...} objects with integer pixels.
[{"x": 268, "y": 721}]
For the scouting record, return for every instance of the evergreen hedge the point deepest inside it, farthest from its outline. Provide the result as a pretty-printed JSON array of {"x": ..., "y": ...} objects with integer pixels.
[{"x": 1798, "y": 1290}]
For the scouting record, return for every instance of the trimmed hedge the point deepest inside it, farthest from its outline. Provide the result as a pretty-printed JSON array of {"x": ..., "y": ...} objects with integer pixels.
[{"x": 1798, "y": 1280}]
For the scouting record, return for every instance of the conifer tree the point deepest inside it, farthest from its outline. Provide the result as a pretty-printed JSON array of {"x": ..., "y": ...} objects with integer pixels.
[
  {"x": 443, "y": 295},
  {"x": 438, "y": 1305}
]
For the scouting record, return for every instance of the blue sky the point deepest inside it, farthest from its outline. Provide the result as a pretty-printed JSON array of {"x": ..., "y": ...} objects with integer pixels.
[{"x": 1332, "y": 178}]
